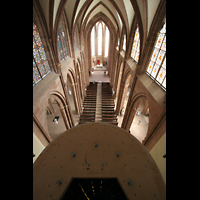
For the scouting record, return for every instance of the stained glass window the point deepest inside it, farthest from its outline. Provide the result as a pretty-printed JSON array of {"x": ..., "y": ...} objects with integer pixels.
[
  {"x": 157, "y": 65},
  {"x": 62, "y": 46},
  {"x": 93, "y": 41},
  {"x": 40, "y": 63},
  {"x": 135, "y": 52},
  {"x": 107, "y": 41},
  {"x": 100, "y": 39}
]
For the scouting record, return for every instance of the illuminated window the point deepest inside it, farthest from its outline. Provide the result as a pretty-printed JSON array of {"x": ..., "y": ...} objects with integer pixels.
[
  {"x": 40, "y": 63},
  {"x": 100, "y": 39},
  {"x": 136, "y": 46},
  {"x": 93, "y": 41},
  {"x": 103, "y": 35},
  {"x": 157, "y": 65},
  {"x": 107, "y": 42}
]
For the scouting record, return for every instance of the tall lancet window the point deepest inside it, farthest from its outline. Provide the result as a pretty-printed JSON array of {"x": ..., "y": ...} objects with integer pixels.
[
  {"x": 124, "y": 43},
  {"x": 62, "y": 46},
  {"x": 107, "y": 41},
  {"x": 100, "y": 39},
  {"x": 136, "y": 46},
  {"x": 40, "y": 63},
  {"x": 93, "y": 41},
  {"x": 157, "y": 65}
]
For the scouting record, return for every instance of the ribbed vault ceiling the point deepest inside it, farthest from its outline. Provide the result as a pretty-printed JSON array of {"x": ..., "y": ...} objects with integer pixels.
[{"x": 120, "y": 12}]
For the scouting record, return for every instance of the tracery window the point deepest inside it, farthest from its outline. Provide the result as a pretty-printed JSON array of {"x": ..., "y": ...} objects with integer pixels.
[
  {"x": 107, "y": 41},
  {"x": 101, "y": 42},
  {"x": 157, "y": 65},
  {"x": 100, "y": 39},
  {"x": 62, "y": 46},
  {"x": 93, "y": 41},
  {"x": 40, "y": 63},
  {"x": 135, "y": 52}
]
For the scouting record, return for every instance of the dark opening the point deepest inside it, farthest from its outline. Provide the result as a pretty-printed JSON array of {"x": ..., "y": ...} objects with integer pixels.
[{"x": 105, "y": 189}]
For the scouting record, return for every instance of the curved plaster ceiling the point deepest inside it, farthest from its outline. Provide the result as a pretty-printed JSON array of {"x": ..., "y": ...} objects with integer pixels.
[{"x": 120, "y": 12}]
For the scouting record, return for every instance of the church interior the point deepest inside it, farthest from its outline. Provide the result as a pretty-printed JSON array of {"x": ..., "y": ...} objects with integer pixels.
[{"x": 99, "y": 99}]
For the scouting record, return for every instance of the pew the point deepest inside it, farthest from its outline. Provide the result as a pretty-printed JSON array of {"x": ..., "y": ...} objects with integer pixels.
[
  {"x": 83, "y": 122},
  {"x": 108, "y": 116},
  {"x": 109, "y": 119},
  {"x": 114, "y": 123}
]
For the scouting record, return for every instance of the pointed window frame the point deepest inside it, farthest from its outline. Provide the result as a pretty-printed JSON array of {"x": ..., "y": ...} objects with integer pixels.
[
  {"x": 135, "y": 52},
  {"x": 157, "y": 65},
  {"x": 40, "y": 62},
  {"x": 61, "y": 42}
]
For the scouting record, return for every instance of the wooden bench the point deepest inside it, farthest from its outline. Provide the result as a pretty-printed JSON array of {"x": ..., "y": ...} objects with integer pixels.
[
  {"x": 90, "y": 99},
  {"x": 109, "y": 119},
  {"x": 107, "y": 106},
  {"x": 87, "y": 116},
  {"x": 90, "y": 106},
  {"x": 82, "y": 122},
  {"x": 87, "y": 119},
  {"x": 104, "y": 109},
  {"x": 114, "y": 123},
  {"x": 108, "y": 115},
  {"x": 88, "y": 113},
  {"x": 89, "y": 110},
  {"x": 108, "y": 112}
]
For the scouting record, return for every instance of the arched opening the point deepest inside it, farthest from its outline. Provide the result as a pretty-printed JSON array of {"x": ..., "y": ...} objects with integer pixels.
[
  {"x": 55, "y": 122},
  {"x": 140, "y": 122},
  {"x": 72, "y": 99},
  {"x": 124, "y": 100},
  {"x": 137, "y": 117}
]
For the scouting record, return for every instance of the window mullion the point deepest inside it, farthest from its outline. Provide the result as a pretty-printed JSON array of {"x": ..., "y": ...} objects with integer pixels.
[{"x": 37, "y": 68}]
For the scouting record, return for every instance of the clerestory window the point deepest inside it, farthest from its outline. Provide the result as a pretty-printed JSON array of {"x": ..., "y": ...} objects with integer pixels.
[
  {"x": 135, "y": 52},
  {"x": 157, "y": 65},
  {"x": 40, "y": 63}
]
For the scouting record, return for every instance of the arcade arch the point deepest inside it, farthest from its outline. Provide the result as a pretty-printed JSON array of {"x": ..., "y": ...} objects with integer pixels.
[
  {"x": 55, "y": 111},
  {"x": 137, "y": 117}
]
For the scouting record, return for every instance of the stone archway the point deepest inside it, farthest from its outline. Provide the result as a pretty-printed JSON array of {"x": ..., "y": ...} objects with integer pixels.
[
  {"x": 73, "y": 95},
  {"x": 56, "y": 110},
  {"x": 137, "y": 117}
]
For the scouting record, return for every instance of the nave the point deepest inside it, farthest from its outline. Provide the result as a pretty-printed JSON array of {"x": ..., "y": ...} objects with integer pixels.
[{"x": 98, "y": 105}]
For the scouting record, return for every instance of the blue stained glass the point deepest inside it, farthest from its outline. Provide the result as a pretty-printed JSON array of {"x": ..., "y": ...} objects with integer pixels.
[
  {"x": 62, "y": 47},
  {"x": 40, "y": 64}
]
